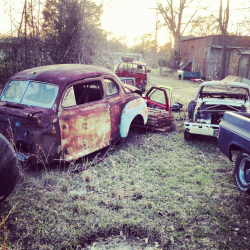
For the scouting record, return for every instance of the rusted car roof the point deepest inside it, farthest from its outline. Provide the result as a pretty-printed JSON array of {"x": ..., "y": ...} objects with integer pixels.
[{"x": 62, "y": 74}]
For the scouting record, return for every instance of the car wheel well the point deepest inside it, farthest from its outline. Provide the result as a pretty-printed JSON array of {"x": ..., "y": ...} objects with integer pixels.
[
  {"x": 137, "y": 118},
  {"x": 23, "y": 147},
  {"x": 233, "y": 147}
]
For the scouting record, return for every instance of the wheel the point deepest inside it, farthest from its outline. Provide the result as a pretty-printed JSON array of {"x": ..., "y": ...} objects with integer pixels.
[
  {"x": 188, "y": 136},
  {"x": 242, "y": 171},
  {"x": 9, "y": 170}
]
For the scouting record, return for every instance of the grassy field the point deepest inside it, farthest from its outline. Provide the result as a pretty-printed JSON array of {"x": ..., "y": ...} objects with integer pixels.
[{"x": 167, "y": 192}]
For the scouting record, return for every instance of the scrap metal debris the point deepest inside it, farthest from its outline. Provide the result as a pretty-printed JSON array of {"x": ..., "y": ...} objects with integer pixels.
[{"x": 158, "y": 120}]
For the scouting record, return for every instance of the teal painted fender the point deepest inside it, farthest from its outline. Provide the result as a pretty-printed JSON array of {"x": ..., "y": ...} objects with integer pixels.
[{"x": 130, "y": 111}]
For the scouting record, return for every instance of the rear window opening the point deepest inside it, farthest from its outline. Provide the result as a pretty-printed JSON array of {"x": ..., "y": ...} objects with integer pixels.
[
  {"x": 224, "y": 92},
  {"x": 132, "y": 67},
  {"x": 83, "y": 93}
]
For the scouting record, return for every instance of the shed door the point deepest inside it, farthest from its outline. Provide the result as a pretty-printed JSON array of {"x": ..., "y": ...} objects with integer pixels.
[{"x": 84, "y": 120}]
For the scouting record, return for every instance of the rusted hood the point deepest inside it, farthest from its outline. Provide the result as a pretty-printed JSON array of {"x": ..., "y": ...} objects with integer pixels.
[
  {"x": 33, "y": 116},
  {"x": 132, "y": 88}
]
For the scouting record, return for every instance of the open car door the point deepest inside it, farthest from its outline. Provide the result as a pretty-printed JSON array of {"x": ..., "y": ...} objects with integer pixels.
[
  {"x": 159, "y": 97},
  {"x": 168, "y": 91}
]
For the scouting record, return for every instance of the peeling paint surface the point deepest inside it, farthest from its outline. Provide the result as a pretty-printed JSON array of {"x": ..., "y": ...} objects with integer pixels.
[
  {"x": 84, "y": 130},
  {"x": 131, "y": 110}
]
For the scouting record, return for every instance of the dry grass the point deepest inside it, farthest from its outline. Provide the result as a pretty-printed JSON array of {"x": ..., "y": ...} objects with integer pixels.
[{"x": 155, "y": 186}]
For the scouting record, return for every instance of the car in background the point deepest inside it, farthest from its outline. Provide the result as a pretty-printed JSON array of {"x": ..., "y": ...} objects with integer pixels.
[
  {"x": 64, "y": 112},
  {"x": 129, "y": 68},
  {"x": 210, "y": 103}
]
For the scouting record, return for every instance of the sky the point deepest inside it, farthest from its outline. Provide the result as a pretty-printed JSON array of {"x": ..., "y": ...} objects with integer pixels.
[{"x": 129, "y": 18}]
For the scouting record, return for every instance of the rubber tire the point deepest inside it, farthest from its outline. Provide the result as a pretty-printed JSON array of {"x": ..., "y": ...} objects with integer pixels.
[
  {"x": 240, "y": 178},
  {"x": 188, "y": 136},
  {"x": 9, "y": 170}
]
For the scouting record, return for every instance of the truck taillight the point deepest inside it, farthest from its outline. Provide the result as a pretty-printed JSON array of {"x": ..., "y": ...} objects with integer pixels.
[{"x": 218, "y": 132}]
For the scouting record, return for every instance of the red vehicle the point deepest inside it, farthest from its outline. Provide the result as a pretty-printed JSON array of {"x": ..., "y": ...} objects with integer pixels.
[{"x": 129, "y": 68}]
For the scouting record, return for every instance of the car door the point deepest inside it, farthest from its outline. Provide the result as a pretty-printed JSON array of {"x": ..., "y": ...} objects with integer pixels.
[
  {"x": 116, "y": 101},
  {"x": 168, "y": 92},
  {"x": 84, "y": 119},
  {"x": 159, "y": 97}
]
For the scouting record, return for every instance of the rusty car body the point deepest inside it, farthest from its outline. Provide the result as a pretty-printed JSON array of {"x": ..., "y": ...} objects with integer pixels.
[
  {"x": 129, "y": 68},
  {"x": 67, "y": 111},
  {"x": 211, "y": 101}
]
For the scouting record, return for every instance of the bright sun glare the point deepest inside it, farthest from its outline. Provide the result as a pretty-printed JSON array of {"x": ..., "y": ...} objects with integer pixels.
[{"x": 129, "y": 19}]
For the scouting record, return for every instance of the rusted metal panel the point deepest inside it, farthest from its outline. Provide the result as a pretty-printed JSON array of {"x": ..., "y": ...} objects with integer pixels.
[
  {"x": 237, "y": 41},
  {"x": 234, "y": 62},
  {"x": 196, "y": 50},
  {"x": 244, "y": 66},
  {"x": 84, "y": 130},
  {"x": 214, "y": 63},
  {"x": 231, "y": 78}
]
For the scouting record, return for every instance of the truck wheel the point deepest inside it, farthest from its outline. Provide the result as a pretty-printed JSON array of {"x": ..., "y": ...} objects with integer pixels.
[
  {"x": 242, "y": 171},
  {"x": 9, "y": 170},
  {"x": 188, "y": 136}
]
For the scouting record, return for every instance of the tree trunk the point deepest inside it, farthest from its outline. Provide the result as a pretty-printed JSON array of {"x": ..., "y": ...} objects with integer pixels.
[
  {"x": 177, "y": 39},
  {"x": 223, "y": 57}
]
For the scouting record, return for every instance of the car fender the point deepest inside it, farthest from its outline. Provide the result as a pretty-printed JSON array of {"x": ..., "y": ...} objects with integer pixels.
[{"x": 131, "y": 110}]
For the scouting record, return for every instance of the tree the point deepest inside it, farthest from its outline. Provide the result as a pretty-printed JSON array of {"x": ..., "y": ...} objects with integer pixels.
[
  {"x": 166, "y": 51},
  {"x": 223, "y": 23},
  {"x": 68, "y": 31},
  {"x": 173, "y": 17},
  {"x": 116, "y": 44},
  {"x": 71, "y": 30},
  {"x": 205, "y": 26},
  {"x": 145, "y": 45}
]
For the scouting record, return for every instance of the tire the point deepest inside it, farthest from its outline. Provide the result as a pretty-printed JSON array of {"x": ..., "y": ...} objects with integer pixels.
[
  {"x": 242, "y": 171},
  {"x": 188, "y": 136},
  {"x": 9, "y": 170}
]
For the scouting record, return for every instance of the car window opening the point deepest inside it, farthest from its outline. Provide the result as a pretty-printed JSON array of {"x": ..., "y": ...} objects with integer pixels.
[
  {"x": 158, "y": 96},
  {"x": 83, "y": 93},
  {"x": 111, "y": 87}
]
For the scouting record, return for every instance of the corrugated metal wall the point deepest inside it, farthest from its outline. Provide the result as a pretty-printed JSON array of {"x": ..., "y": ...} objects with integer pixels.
[
  {"x": 244, "y": 66},
  {"x": 206, "y": 58},
  {"x": 234, "y": 62}
]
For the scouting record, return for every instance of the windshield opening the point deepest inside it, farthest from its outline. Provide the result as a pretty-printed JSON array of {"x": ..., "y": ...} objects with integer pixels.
[
  {"x": 30, "y": 93},
  {"x": 132, "y": 67},
  {"x": 228, "y": 92}
]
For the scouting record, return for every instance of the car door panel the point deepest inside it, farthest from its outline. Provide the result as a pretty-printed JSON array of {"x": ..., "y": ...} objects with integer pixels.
[
  {"x": 84, "y": 128},
  {"x": 157, "y": 98}
]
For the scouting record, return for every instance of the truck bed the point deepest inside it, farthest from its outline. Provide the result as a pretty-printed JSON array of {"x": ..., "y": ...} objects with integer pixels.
[{"x": 234, "y": 133}]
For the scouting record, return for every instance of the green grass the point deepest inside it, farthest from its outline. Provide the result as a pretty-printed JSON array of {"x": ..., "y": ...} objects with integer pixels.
[{"x": 156, "y": 186}]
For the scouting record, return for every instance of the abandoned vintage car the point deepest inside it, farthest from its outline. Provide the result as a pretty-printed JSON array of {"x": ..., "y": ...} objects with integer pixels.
[
  {"x": 67, "y": 111},
  {"x": 129, "y": 68},
  {"x": 211, "y": 101}
]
